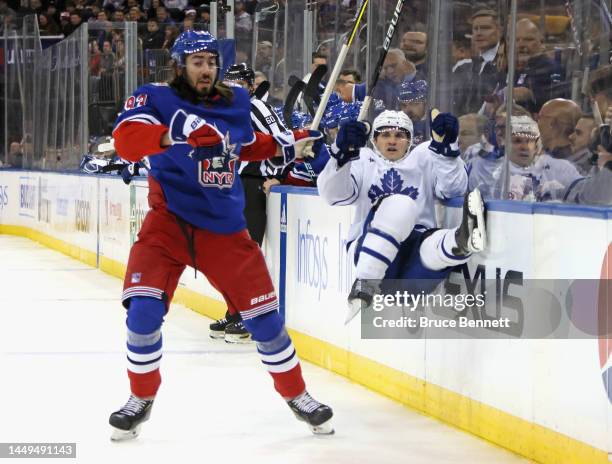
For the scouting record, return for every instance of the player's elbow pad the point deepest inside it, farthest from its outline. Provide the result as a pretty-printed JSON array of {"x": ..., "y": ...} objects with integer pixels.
[{"x": 135, "y": 140}]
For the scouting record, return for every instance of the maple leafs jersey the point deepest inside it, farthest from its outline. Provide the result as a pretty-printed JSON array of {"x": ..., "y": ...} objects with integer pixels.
[
  {"x": 546, "y": 179},
  {"x": 422, "y": 175},
  {"x": 208, "y": 193}
]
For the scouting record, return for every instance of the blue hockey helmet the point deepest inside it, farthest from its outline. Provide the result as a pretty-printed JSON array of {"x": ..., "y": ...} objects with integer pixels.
[
  {"x": 190, "y": 42},
  {"x": 300, "y": 120},
  {"x": 413, "y": 91},
  {"x": 333, "y": 111},
  {"x": 350, "y": 112}
]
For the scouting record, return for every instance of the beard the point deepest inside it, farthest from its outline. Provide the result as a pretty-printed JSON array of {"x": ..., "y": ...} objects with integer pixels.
[{"x": 414, "y": 56}]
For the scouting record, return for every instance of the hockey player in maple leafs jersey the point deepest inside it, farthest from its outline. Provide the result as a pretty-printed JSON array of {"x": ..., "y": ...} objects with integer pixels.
[
  {"x": 194, "y": 131},
  {"x": 393, "y": 235}
]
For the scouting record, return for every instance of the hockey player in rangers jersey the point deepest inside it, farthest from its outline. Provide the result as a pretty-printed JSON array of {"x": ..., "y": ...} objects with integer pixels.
[
  {"x": 393, "y": 235},
  {"x": 194, "y": 131}
]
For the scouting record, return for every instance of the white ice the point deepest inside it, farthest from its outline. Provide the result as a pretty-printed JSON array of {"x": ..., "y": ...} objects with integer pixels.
[{"x": 62, "y": 372}]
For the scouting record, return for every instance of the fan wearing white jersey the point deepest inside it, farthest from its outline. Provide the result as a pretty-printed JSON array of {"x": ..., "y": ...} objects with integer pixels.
[{"x": 393, "y": 235}]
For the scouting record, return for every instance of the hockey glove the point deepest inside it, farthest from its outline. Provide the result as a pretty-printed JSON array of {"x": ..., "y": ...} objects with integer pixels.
[
  {"x": 192, "y": 129},
  {"x": 352, "y": 136},
  {"x": 128, "y": 172},
  {"x": 444, "y": 134},
  {"x": 289, "y": 139}
]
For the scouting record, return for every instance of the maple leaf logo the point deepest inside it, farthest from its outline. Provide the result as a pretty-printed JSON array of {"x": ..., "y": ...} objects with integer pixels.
[{"x": 392, "y": 184}]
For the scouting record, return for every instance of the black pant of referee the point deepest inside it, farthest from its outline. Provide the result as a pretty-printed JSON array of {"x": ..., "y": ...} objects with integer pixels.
[{"x": 255, "y": 206}]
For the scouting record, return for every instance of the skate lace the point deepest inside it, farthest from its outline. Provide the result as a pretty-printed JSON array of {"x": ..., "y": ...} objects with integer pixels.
[
  {"x": 133, "y": 406},
  {"x": 306, "y": 403}
]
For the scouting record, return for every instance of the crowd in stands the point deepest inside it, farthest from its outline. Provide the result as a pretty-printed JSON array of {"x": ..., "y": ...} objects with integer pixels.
[{"x": 546, "y": 57}]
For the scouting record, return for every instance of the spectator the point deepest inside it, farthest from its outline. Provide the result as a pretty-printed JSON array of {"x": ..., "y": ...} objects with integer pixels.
[
  {"x": 345, "y": 83},
  {"x": 600, "y": 89},
  {"x": 120, "y": 55},
  {"x": 74, "y": 23},
  {"x": 118, "y": 16},
  {"x": 136, "y": 14},
  {"x": 556, "y": 121},
  {"x": 461, "y": 51},
  {"x": 413, "y": 102},
  {"x": 263, "y": 58},
  {"x": 95, "y": 57},
  {"x": 472, "y": 128},
  {"x": 113, "y": 4},
  {"x": 178, "y": 5},
  {"x": 478, "y": 78},
  {"x": 162, "y": 16},
  {"x": 485, "y": 159},
  {"x": 244, "y": 24},
  {"x": 65, "y": 25},
  {"x": 414, "y": 46},
  {"x": 102, "y": 16},
  {"x": 15, "y": 156},
  {"x": 187, "y": 24},
  {"x": 153, "y": 6},
  {"x": 396, "y": 69},
  {"x": 170, "y": 35},
  {"x": 154, "y": 38},
  {"x": 534, "y": 70},
  {"x": 204, "y": 18},
  {"x": 107, "y": 60},
  {"x": 580, "y": 141},
  {"x": 47, "y": 25},
  {"x": 35, "y": 7}
]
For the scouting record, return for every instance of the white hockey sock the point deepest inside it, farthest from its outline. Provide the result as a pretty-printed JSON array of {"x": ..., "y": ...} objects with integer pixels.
[
  {"x": 436, "y": 250},
  {"x": 376, "y": 255}
]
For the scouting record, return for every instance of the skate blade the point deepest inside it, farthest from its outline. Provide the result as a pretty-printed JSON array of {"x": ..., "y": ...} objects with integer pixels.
[
  {"x": 354, "y": 309},
  {"x": 326, "y": 428},
  {"x": 238, "y": 340},
  {"x": 216, "y": 335},
  {"x": 478, "y": 240},
  {"x": 124, "y": 435}
]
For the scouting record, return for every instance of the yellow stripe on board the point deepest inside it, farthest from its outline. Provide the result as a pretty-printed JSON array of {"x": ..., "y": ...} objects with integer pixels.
[{"x": 498, "y": 427}]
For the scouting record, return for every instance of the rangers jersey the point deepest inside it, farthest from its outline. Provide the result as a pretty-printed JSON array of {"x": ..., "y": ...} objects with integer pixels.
[{"x": 207, "y": 193}]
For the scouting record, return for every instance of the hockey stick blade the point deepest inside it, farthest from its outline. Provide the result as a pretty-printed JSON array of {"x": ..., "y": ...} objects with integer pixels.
[
  {"x": 314, "y": 83},
  {"x": 293, "y": 79},
  {"x": 292, "y": 97},
  {"x": 262, "y": 90}
]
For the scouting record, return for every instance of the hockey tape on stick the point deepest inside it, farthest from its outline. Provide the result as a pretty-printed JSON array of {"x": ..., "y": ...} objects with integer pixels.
[
  {"x": 338, "y": 66},
  {"x": 397, "y": 12}
]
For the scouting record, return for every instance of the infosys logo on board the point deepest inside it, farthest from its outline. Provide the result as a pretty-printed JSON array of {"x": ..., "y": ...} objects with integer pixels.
[
  {"x": 312, "y": 270},
  {"x": 4, "y": 196}
]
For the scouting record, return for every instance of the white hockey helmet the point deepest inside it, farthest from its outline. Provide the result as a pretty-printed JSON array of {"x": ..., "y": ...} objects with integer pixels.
[
  {"x": 525, "y": 126},
  {"x": 392, "y": 120}
]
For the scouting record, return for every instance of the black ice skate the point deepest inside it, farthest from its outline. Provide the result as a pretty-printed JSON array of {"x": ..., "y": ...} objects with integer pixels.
[
  {"x": 217, "y": 328},
  {"x": 316, "y": 415},
  {"x": 471, "y": 236},
  {"x": 127, "y": 421},
  {"x": 361, "y": 296},
  {"x": 235, "y": 332}
]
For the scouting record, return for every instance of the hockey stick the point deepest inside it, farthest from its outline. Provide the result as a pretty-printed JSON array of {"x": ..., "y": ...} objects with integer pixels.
[
  {"x": 338, "y": 66},
  {"x": 381, "y": 59},
  {"x": 292, "y": 97},
  {"x": 261, "y": 90},
  {"x": 311, "y": 91}
]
